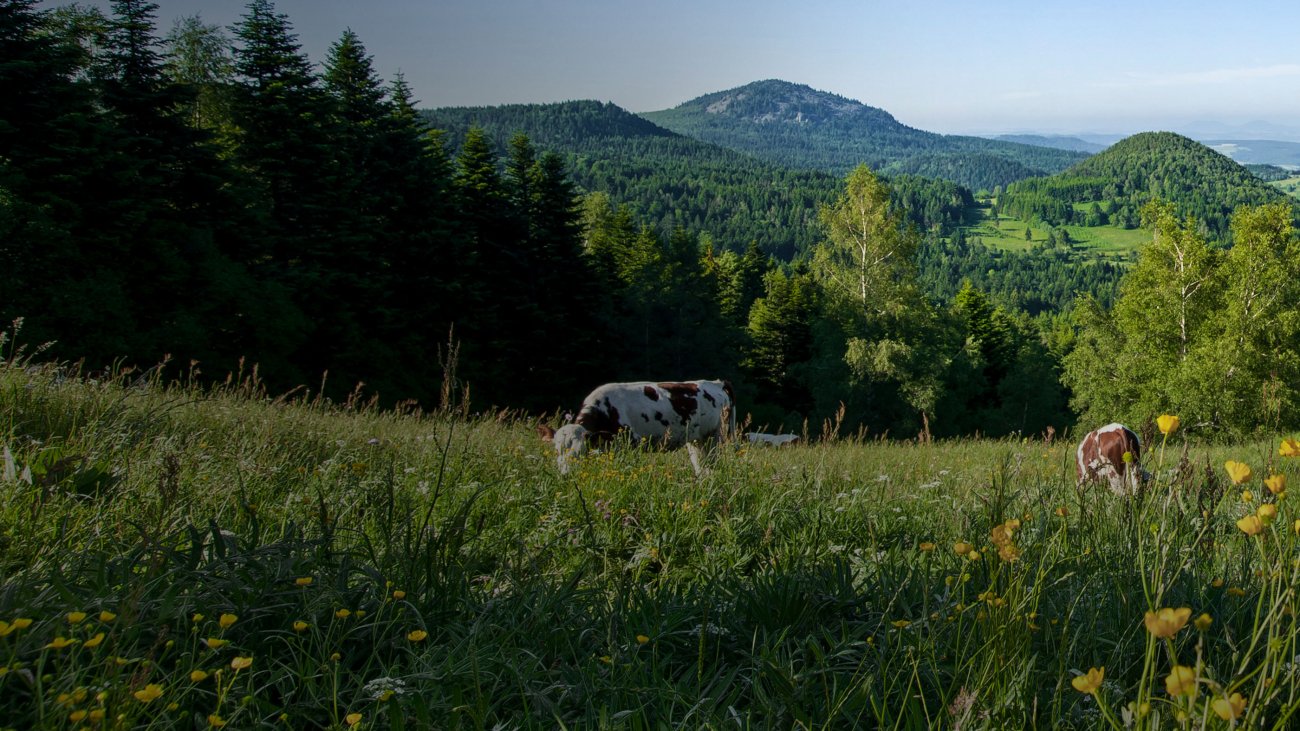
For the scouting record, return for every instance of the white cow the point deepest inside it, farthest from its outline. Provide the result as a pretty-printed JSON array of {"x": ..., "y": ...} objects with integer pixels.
[
  {"x": 670, "y": 414},
  {"x": 771, "y": 440}
]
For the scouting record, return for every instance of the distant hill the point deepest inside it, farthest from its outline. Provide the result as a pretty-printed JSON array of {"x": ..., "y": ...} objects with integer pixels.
[
  {"x": 797, "y": 126},
  {"x": 1060, "y": 142},
  {"x": 1112, "y": 186},
  {"x": 1260, "y": 152},
  {"x": 674, "y": 181}
]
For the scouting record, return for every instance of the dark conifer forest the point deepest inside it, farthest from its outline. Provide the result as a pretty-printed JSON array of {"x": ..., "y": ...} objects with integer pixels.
[{"x": 210, "y": 199}]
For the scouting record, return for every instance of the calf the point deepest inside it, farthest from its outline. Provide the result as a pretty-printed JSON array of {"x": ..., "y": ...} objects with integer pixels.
[
  {"x": 771, "y": 440},
  {"x": 668, "y": 414},
  {"x": 1101, "y": 457}
]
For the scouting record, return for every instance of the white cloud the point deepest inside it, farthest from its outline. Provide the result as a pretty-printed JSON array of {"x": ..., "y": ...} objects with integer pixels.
[{"x": 1139, "y": 79}]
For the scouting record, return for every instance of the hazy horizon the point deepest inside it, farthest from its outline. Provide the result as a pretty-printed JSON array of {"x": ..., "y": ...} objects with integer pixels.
[{"x": 1019, "y": 67}]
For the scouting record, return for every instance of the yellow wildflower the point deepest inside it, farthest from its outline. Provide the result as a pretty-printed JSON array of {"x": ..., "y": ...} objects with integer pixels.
[
  {"x": 900, "y": 623},
  {"x": 216, "y": 721},
  {"x": 1266, "y": 512},
  {"x": 241, "y": 663},
  {"x": 1229, "y": 708},
  {"x": 196, "y": 618},
  {"x": 1290, "y": 447},
  {"x": 1091, "y": 682},
  {"x": 642, "y": 639},
  {"x": 416, "y": 635},
  {"x": 94, "y": 641},
  {"x": 961, "y": 548},
  {"x": 198, "y": 676},
  {"x": 352, "y": 718},
  {"x": 1168, "y": 423},
  {"x": 76, "y": 617},
  {"x": 1061, "y": 512},
  {"x": 97, "y": 715},
  {"x": 1247, "y": 496},
  {"x": 1251, "y": 525},
  {"x": 1238, "y": 472},
  {"x": 226, "y": 620},
  {"x": 107, "y": 616},
  {"x": 303, "y": 581},
  {"x": 1276, "y": 484},
  {"x": 58, "y": 643},
  {"x": 1236, "y": 591},
  {"x": 21, "y": 623},
  {"x": 216, "y": 643},
  {"x": 343, "y": 613},
  {"x": 148, "y": 693},
  {"x": 1203, "y": 622},
  {"x": 926, "y": 546},
  {"x": 1181, "y": 681},
  {"x": 399, "y": 595},
  {"x": 77, "y": 716},
  {"x": 973, "y": 555},
  {"x": 1167, "y": 622},
  {"x": 300, "y": 626}
]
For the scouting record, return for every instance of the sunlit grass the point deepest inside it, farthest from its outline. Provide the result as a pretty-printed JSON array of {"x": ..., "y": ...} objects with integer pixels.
[{"x": 184, "y": 557}]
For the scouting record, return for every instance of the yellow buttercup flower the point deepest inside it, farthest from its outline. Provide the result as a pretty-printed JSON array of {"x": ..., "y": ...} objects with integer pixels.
[
  {"x": 241, "y": 663},
  {"x": 196, "y": 618},
  {"x": 58, "y": 643},
  {"x": 352, "y": 718},
  {"x": 961, "y": 548},
  {"x": 94, "y": 641},
  {"x": 1181, "y": 681},
  {"x": 216, "y": 643},
  {"x": 1290, "y": 447},
  {"x": 1266, "y": 512},
  {"x": 1203, "y": 622},
  {"x": 77, "y": 716},
  {"x": 399, "y": 595},
  {"x": 1247, "y": 496},
  {"x": 1229, "y": 708},
  {"x": 76, "y": 617},
  {"x": 1167, "y": 622},
  {"x": 198, "y": 676},
  {"x": 226, "y": 620},
  {"x": 1062, "y": 511},
  {"x": 216, "y": 721},
  {"x": 303, "y": 581},
  {"x": 107, "y": 616},
  {"x": 149, "y": 693},
  {"x": 1251, "y": 525},
  {"x": 1091, "y": 682},
  {"x": 900, "y": 623},
  {"x": 1238, "y": 472},
  {"x": 343, "y": 613},
  {"x": 416, "y": 635},
  {"x": 926, "y": 546},
  {"x": 642, "y": 639},
  {"x": 300, "y": 626},
  {"x": 21, "y": 623},
  {"x": 1276, "y": 484},
  {"x": 1168, "y": 423}
]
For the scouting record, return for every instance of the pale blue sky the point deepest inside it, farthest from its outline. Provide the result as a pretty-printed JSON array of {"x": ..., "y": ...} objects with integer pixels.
[{"x": 968, "y": 67}]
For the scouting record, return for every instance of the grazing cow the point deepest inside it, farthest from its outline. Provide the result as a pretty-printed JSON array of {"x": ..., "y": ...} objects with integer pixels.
[
  {"x": 668, "y": 414},
  {"x": 759, "y": 439},
  {"x": 1101, "y": 457}
]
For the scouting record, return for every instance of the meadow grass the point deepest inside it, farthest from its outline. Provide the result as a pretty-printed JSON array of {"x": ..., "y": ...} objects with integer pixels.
[
  {"x": 177, "y": 556},
  {"x": 1110, "y": 242}
]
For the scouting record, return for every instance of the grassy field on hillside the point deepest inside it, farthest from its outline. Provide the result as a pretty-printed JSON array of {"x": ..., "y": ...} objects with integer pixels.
[
  {"x": 181, "y": 557},
  {"x": 1290, "y": 186},
  {"x": 1110, "y": 242}
]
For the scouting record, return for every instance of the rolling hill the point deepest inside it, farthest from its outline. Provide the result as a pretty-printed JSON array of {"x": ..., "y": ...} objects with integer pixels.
[
  {"x": 799, "y": 127},
  {"x": 674, "y": 181},
  {"x": 1112, "y": 186},
  {"x": 1060, "y": 142}
]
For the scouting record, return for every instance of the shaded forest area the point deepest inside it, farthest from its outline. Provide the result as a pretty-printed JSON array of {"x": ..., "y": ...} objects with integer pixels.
[{"x": 208, "y": 196}]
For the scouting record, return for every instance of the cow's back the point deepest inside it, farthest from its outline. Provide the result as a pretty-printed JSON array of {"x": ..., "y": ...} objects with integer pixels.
[
  {"x": 671, "y": 413},
  {"x": 1100, "y": 456}
]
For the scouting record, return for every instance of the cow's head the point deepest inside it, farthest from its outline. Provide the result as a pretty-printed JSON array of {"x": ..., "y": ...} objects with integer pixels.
[{"x": 570, "y": 443}]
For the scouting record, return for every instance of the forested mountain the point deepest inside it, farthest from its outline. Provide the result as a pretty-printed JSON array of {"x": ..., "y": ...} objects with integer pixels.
[
  {"x": 1060, "y": 142},
  {"x": 799, "y": 127},
  {"x": 673, "y": 181},
  {"x": 1112, "y": 186}
]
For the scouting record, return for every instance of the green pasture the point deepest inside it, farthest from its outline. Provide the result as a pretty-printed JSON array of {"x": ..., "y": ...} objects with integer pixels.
[
  {"x": 1109, "y": 242},
  {"x": 184, "y": 557},
  {"x": 1290, "y": 186}
]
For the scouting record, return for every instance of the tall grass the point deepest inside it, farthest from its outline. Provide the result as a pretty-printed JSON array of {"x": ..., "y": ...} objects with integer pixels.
[{"x": 402, "y": 570}]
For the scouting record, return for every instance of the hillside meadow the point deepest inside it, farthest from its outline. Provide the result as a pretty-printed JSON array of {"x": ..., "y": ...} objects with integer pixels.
[{"x": 177, "y": 556}]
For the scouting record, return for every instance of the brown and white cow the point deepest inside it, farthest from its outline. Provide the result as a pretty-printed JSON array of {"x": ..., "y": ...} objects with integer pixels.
[
  {"x": 1101, "y": 457},
  {"x": 670, "y": 414}
]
